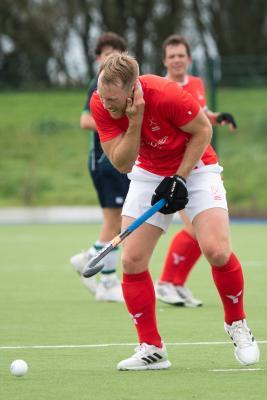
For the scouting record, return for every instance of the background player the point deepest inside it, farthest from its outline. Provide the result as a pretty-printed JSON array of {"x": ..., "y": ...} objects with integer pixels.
[
  {"x": 184, "y": 250},
  {"x": 111, "y": 187}
]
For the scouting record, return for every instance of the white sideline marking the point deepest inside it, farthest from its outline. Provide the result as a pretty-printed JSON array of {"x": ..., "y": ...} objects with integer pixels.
[
  {"x": 80, "y": 346},
  {"x": 67, "y": 346},
  {"x": 236, "y": 370},
  {"x": 258, "y": 263}
]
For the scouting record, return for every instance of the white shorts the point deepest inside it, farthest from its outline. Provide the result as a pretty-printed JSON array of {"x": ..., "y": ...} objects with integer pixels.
[{"x": 205, "y": 190}]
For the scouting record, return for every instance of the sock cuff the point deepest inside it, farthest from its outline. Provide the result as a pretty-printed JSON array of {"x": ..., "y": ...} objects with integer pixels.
[
  {"x": 99, "y": 246},
  {"x": 98, "y": 243},
  {"x": 231, "y": 264},
  {"x": 142, "y": 276},
  {"x": 108, "y": 271}
]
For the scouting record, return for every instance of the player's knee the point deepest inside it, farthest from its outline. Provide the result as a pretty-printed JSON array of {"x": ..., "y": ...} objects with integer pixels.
[
  {"x": 217, "y": 255},
  {"x": 132, "y": 264}
]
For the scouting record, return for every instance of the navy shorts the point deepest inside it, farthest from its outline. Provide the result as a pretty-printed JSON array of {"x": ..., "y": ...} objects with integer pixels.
[{"x": 111, "y": 186}]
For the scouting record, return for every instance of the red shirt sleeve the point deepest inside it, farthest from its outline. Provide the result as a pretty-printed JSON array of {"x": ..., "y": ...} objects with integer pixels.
[
  {"x": 107, "y": 127},
  {"x": 180, "y": 105}
]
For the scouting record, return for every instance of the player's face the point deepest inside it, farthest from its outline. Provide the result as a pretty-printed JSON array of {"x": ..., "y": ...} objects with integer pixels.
[
  {"x": 106, "y": 51},
  {"x": 176, "y": 61},
  {"x": 113, "y": 98}
]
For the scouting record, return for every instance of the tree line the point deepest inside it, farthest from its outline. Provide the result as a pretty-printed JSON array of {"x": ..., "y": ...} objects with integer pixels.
[{"x": 38, "y": 37}]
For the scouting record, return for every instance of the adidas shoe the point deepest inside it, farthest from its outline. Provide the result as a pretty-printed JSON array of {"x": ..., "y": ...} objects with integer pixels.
[
  {"x": 146, "y": 357},
  {"x": 187, "y": 295},
  {"x": 245, "y": 346},
  {"x": 109, "y": 289},
  {"x": 166, "y": 292}
]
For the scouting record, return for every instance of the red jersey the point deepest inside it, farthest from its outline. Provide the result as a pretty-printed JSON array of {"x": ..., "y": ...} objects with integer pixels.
[
  {"x": 196, "y": 88},
  {"x": 167, "y": 108}
]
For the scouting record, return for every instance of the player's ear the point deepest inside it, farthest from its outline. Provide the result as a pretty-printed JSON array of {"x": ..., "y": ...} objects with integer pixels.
[
  {"x": 132, "y": 89},
  {"x": 137, "y": 84}
]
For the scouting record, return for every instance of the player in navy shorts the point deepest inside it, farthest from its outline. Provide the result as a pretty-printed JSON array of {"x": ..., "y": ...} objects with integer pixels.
[{"x": 111, "y": 187}]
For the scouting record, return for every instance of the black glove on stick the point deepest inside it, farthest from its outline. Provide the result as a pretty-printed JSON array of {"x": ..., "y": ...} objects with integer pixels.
[{"x": 173, "y": 190}]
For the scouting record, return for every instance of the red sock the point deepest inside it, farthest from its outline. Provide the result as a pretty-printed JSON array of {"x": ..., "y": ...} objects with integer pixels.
[
  {"x": 139, "y": 294},
  {"x": 230, "y": 285},
  {"x": 183, "y": 253}
]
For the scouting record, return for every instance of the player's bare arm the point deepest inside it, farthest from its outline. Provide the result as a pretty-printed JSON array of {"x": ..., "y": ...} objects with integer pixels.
[
  {"x": 201, "y": 130},
  {"x": 87, "y": 121},
  {"x": 123, "y": 150}
]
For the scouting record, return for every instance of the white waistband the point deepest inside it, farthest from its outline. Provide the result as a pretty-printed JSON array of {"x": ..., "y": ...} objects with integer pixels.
[{"x": 140, "y": 174}]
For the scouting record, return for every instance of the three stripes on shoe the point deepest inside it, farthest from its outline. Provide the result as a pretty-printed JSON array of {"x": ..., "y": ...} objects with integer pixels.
[{"x": 151, "y": 359}]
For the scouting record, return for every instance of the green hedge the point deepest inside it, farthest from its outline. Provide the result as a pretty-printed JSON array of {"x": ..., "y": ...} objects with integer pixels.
[{"x": 44, "y": 152}]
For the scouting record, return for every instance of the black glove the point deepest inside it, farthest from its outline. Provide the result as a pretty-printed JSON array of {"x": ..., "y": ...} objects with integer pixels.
[
  {"x": 227, "y": 118},
  {"x": 173, "y": 190}
]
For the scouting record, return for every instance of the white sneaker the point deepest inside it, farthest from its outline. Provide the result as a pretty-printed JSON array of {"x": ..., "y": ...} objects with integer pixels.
[
  {"x": 187, "y": 295},
  {"x": 79, "y": 261},
  {"x": 166, "y": 292},
  {"x": 146, "y": 357},
  {"x": 245, "y": 346},
  {"x": 90, "y": 283},
  {"x": 109, "y": 289}
]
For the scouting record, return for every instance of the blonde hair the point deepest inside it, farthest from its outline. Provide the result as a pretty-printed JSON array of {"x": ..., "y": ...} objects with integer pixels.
[{"x": 119, "y": 69}]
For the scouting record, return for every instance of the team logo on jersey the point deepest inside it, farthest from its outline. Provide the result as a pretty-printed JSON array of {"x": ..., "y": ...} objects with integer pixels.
[
  {"x": 235, "y": 298},
  {"x": 157, "y": 143},
  {"x": 163, "y": 140},
  {"x": 135, "y": 317},
  {"x": 177, "y": 258},
  {"x": 153, "y": 125}
]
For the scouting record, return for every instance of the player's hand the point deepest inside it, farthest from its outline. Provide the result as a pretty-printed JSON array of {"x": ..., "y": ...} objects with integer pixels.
[
  {"x": 227, "y": 119},
  {"x": 173, "y": 190},
  {"x": 135, "y": 105}
]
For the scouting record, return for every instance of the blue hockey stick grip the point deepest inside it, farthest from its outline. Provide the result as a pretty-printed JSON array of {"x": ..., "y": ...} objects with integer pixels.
[{"x": 151, "y": 211}]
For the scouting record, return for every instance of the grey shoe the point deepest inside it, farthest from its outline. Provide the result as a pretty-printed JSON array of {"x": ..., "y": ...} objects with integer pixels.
[
  {"x": 187, "y": 295},
  {"x": 166, "y": 292}
]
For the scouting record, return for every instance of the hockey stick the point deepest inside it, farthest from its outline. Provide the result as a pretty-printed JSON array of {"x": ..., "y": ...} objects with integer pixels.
[{"x": 92, "y": 268}]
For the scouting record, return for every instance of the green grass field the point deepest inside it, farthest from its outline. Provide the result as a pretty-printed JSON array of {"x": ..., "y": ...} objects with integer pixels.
[
  {"x": 43, "y": 152},
  {"x": 42, "y": 303}
]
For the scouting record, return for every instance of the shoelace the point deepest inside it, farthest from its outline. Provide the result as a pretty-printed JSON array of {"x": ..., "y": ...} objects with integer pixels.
[
  {"x": 141, "y": 349},
  {"x": 241, "y": 335}
]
